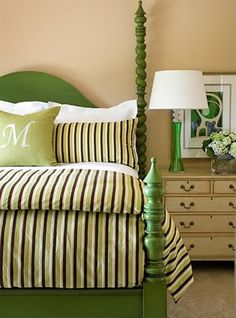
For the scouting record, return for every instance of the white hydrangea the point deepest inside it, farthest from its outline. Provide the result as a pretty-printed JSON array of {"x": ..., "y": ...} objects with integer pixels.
[
  {"x": 232, "y": 150},
  {"x": 232, "y": 136},
  {"x": 222, "y": 144},
  {"x": 218, "y": 147},
  {"x": 226, "y": 141},
  {"x": 225, "y": 132}
]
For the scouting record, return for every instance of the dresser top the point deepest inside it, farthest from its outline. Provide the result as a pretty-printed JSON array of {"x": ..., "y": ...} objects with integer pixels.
[{"x": 195, "y": 173}]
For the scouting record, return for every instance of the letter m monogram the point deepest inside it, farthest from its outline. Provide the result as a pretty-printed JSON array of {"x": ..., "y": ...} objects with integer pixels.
[{"x": 10, "y": 133}]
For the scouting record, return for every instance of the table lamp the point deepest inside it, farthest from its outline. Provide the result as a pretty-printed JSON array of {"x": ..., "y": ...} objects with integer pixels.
[{"x": 177, "y": 90}]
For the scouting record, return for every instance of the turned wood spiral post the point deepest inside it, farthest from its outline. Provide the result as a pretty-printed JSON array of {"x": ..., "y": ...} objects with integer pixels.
[
  {"x": 140, "y": 50},
  {"x": 154, "y": 239}
]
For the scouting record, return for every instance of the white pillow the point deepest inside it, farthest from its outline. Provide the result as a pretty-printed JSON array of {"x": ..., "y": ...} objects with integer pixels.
[
  {"x": 22, "y": 108},
  {"x": 71, "y": 114}
]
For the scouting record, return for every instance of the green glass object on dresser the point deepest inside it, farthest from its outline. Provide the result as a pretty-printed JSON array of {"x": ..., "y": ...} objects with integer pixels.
[
  {"x": 176, "y": 163},
  {"x": 203, "y": 206}
]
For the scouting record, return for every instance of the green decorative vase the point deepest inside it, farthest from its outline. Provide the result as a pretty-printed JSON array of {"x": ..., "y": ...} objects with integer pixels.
[{"x": 176, "y": 164}]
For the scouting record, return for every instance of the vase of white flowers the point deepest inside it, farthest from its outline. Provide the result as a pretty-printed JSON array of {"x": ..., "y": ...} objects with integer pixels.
[{"x": 221, "y": 148}]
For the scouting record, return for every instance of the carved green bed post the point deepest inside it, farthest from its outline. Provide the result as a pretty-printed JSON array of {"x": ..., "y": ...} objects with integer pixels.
[
  {"x": 140, "y": 31},
  {"x": 154, "y": 240}
]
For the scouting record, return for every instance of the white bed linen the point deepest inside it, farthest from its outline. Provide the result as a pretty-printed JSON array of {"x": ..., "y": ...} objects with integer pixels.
[
  {"x": 23, "y": 108},
  {"x": 71, "y": 114},
  {"x": 109, "y": 166}
]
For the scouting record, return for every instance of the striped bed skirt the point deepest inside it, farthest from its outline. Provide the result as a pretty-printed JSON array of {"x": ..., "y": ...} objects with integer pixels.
[{"x": 69, "y": 249}]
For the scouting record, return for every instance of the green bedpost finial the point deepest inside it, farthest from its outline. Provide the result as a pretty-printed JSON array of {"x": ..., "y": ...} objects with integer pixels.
[
  {"x": 140, "y": 50},
  {"x": 154, "y": 239}
]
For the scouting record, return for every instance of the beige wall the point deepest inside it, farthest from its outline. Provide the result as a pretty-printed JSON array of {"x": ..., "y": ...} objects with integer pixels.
[{"x": 91, "y": 44}]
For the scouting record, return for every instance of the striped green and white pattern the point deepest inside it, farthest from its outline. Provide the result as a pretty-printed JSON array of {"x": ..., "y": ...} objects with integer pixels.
[
  {"x": 178, "y": 269},
  {"x": 70, "y": 189},
  {"x": 97, "y": 142},
  {"x": 45, "y": 241},
  {"x": 67, "y": 249}
]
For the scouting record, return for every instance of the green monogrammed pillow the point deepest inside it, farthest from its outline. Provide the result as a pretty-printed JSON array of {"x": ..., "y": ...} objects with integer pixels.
[{"x": 27, "y": 140}]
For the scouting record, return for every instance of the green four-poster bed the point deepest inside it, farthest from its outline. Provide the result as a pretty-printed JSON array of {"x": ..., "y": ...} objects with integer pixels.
[{"x": 147, "y": 300}]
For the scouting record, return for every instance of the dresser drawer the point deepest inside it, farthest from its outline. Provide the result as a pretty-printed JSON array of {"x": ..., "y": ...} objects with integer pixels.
[
  {"x": 205, "y": 223},
  {"x": 210, "y": 247},
  {"x": 200, "y": 204},
  {"x": 224, "y": 187},
  {"x": 184, "y": 186}
]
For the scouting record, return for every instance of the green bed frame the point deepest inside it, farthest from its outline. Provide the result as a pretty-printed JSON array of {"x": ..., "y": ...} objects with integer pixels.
[{"x": 149, "y": 301}]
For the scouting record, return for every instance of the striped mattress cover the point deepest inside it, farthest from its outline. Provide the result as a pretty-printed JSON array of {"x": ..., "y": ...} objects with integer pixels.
[{"x": 65, "y": 248}]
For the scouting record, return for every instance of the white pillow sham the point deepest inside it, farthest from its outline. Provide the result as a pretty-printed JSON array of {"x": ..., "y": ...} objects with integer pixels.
[
  {"x": 71, "y": 114},
  {"x": 22, "y": 108}
]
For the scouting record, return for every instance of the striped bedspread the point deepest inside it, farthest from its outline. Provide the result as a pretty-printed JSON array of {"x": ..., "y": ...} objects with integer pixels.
[
  {"x": 67, "y": 248},
  {"x": 70, "y": 189}
]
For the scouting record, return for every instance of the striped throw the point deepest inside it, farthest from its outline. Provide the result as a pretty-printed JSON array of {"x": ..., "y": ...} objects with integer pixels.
[
  {"x": 70, "y": 189},
  {"x": 97, "y": 142},
  {"x": 65, "y": 249}
]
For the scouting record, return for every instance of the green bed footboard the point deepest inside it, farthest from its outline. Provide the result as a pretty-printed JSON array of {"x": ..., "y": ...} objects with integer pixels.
[
  {"x": 71, "y": 304},
  {"x": 117, "y": 303}
]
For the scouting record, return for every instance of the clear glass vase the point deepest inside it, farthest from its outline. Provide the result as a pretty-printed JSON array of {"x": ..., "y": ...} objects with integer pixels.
[{"x": 223, "y": 166}]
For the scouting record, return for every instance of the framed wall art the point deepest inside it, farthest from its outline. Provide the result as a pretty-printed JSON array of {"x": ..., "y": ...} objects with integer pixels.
[{"x": 198, "y": 124}]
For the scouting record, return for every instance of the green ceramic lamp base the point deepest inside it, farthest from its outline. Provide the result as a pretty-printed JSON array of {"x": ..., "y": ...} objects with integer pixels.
[{"x": 176, "y": 164}]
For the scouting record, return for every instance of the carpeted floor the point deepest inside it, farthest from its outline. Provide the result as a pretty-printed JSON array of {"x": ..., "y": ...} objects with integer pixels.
[{"x": 212, "y": 294}]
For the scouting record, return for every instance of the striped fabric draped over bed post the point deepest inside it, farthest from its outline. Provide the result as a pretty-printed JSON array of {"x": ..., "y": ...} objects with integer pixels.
[
  {"x": 154, "y": 242},
  {"x": 140, "y": 31}
]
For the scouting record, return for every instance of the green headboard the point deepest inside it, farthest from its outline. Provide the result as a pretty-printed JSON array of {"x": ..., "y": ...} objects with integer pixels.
[{"x": 39, "y": 86}]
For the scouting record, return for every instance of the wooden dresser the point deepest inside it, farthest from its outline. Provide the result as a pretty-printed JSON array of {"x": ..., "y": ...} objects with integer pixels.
[{"x": 203, "y": 206}]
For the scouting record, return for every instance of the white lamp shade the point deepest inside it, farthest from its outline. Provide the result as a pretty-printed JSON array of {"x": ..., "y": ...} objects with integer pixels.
[{"x": 178, "y": 90}]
